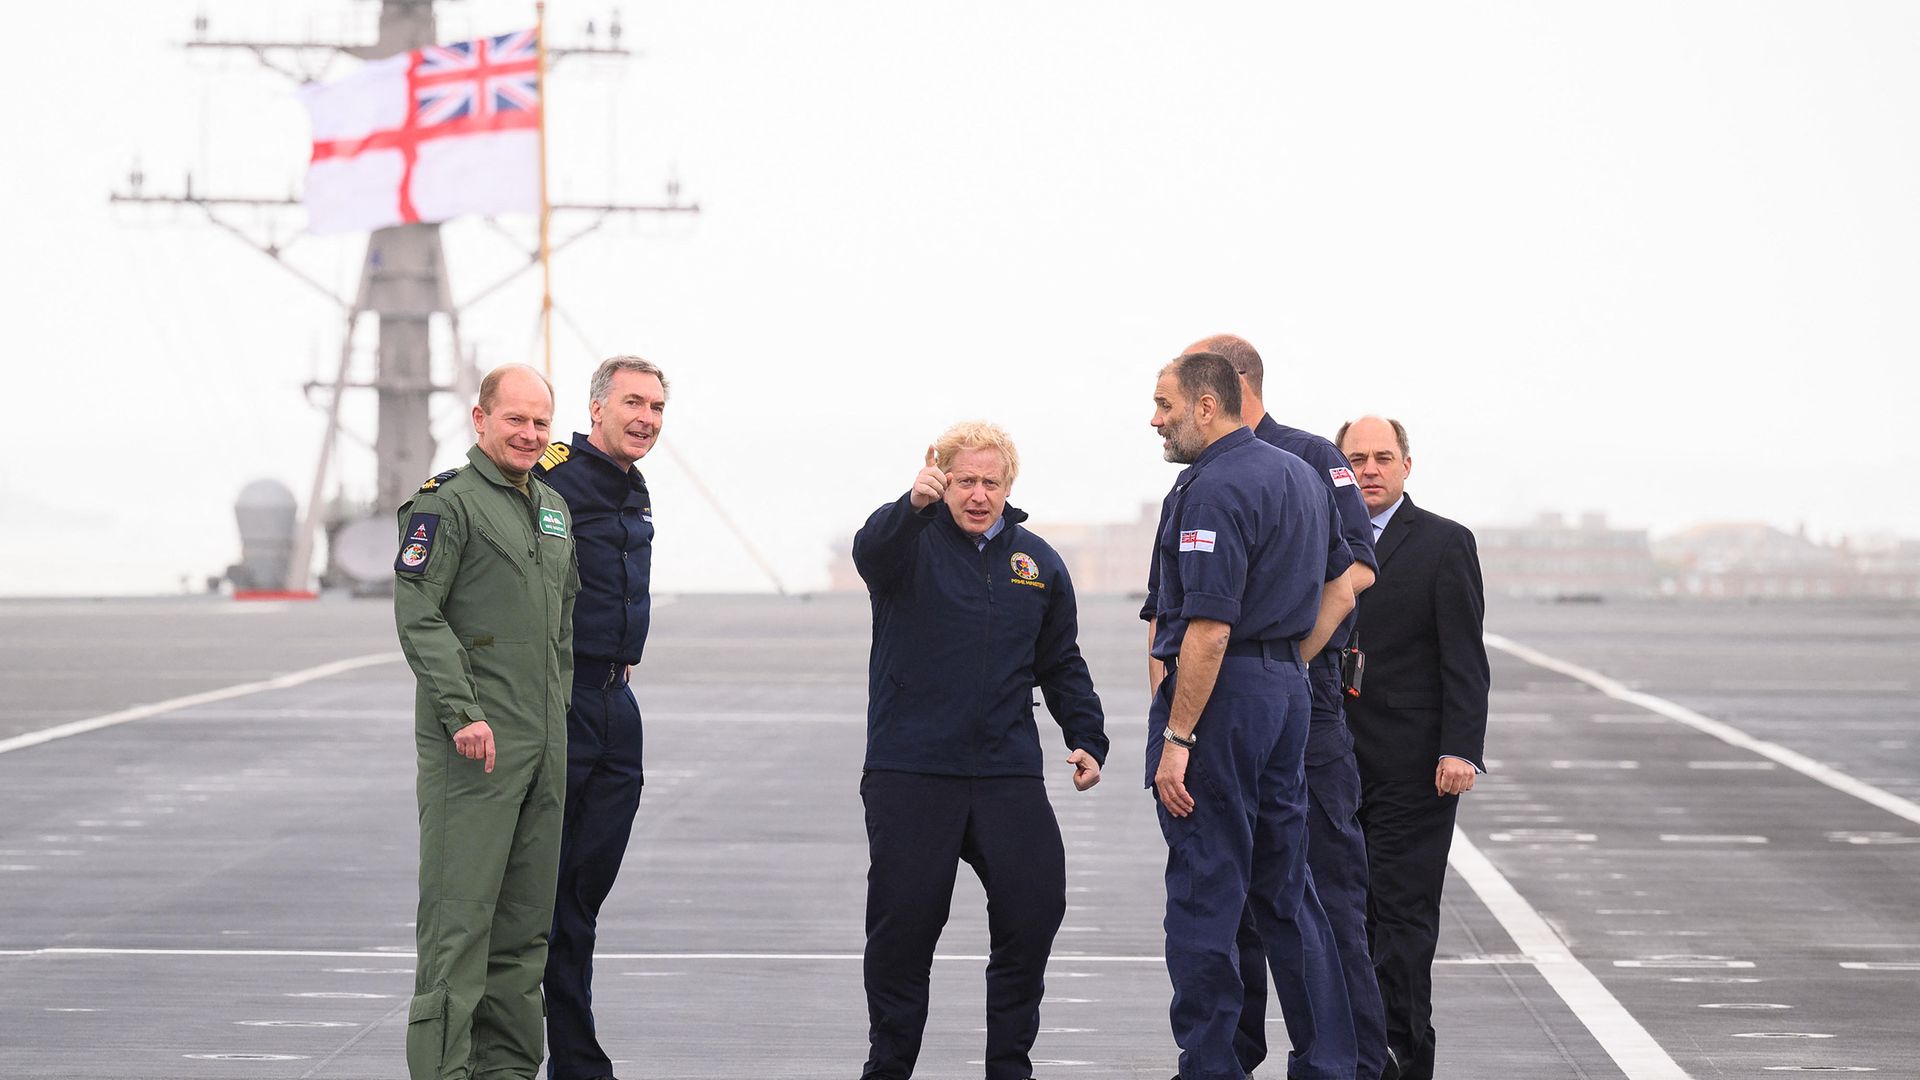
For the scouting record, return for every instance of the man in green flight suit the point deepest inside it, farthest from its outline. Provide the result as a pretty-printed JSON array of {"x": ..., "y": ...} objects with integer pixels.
[{"x": 483, "y": 598}]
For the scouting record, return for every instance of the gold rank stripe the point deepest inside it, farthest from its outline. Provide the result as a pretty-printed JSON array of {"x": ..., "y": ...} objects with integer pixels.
[{"x": 556, "y": 454}]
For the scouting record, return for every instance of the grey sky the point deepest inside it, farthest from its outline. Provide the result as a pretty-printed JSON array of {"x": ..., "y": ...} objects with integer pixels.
[{"x": 1654, "y": 258}]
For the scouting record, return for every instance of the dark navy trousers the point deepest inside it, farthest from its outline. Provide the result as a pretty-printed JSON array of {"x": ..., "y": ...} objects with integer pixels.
[
  {"x": 1244, "y": 847},
  {"x": 919, "y": 829},
  {"x": 1409, "y": 834},
  {"x": 603, "y": 793},
  {"x": 1337, "y": 859}
]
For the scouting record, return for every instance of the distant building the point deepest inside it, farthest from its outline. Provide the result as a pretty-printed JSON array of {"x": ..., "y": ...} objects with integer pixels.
[
  {"x": 1111, "y": 557},
  {"x": 1752, "y": 560},
  {"x": 1555, "y": 557},
  {"x": 1891, "y": 566}
]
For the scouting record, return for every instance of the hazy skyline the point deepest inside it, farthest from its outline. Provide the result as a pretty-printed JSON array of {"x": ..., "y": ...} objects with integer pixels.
[{"x": 1649, "y": 258}]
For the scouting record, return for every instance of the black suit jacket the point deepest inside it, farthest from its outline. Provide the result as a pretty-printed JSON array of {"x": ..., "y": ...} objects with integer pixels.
[{"x": 1425, "y": 689}]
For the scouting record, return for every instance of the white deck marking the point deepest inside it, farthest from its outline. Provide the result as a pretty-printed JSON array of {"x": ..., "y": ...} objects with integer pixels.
[
  {"x": 400, "y": 954},
  {"x": 1684, "y": 961},
  {"x": 225, "y": 693},
  {"x": 1618, "y": 1033},
  {"x": 1726, "y": 733}
]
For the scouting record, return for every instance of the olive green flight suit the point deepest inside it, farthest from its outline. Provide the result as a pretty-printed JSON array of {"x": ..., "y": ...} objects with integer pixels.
[{"x": 483, "y": 599}]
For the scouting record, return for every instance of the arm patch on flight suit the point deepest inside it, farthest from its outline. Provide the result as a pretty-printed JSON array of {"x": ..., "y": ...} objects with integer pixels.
[{"x": 417, "y": 544}]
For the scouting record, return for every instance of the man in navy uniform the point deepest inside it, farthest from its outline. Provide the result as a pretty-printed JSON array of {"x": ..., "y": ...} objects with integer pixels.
[
  {"x": 971, "y": 611},
  {"x": 1244, "y": 546},
  {"x": 613, "y": 532},
  {"x": 1336, "y": 845}
]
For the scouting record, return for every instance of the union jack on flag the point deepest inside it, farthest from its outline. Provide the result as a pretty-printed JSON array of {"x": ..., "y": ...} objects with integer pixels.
[
  {"x": 427, "y": 135},
  {"x": 478, "y": 78}
]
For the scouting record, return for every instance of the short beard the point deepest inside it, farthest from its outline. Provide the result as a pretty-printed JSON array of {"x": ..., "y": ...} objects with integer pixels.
[{"x": 1179, "y": 450}]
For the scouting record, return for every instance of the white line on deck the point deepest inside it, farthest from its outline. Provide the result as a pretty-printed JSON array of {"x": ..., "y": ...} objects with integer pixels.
[
  {"x": 1726, "y": 733},
  {"x": 1618, "y": 1033},
  {"x": 225, "y": 693},
  {"x": 1061, "y": 959}
]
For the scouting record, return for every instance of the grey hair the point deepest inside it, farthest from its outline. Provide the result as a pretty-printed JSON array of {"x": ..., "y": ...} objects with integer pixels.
[
  {"x": 1200, "y": 373},
  {"x": 601, "y": 387}
]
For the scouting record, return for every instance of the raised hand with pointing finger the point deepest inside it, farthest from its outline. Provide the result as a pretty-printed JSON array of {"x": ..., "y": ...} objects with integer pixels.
[{"x": 930, "y": 486}]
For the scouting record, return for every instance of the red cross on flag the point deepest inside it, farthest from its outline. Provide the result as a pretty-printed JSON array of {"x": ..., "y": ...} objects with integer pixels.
[{"x": 427, "y": 136}]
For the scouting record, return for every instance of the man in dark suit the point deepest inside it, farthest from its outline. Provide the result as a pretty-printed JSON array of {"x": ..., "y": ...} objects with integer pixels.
[{"x": 1419, "y": 725}]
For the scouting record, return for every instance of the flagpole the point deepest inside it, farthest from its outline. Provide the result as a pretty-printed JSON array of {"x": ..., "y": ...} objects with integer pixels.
[{"x": 546, "y": 207}]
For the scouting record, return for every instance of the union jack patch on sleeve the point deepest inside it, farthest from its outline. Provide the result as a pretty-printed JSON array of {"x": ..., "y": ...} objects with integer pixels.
[{"x": 1196, "y": 540}]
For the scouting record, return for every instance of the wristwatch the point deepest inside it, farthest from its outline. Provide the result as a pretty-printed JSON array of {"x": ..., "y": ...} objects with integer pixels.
[{"x": 1174, "y": 737}]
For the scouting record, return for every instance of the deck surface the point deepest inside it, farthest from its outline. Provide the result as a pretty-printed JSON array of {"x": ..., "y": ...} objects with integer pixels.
[{"x": 224, "y": 888}]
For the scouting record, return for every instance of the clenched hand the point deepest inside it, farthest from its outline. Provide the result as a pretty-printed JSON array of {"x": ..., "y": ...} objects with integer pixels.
[{"x": 931, "y": 485}]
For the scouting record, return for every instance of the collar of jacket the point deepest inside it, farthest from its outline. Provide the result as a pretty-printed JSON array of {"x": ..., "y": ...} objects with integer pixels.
[
  {"x": 1012, "y": 514},
  {"x": 1396, "y": 529},
  {"x": 485, "y": 466},
  {"x": 1239, "y": 436},
  {"x": 583, "y": 448}
]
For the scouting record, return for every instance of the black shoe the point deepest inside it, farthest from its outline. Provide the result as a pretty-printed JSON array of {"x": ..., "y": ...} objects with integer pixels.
[{"x": 1392, "y": 1071}]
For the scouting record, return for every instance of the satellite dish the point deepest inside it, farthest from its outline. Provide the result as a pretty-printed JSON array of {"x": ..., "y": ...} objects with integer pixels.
[{"x": 364, "y": 549}]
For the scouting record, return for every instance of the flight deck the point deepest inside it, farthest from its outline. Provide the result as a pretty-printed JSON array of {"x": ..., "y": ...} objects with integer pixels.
[{"x": 1697, "y": 853}]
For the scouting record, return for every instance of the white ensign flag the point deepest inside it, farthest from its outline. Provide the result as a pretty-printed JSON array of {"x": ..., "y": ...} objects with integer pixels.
[{"x": 427, "y": 136}]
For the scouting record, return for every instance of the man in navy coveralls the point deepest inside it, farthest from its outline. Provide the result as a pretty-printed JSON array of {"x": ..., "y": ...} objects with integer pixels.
[
  {"x": 1244, "y": 546},
  {"x": 971, "y": 611},
  {"x": 613, "y": 534},
  {"x": 1336, "y": 845}
]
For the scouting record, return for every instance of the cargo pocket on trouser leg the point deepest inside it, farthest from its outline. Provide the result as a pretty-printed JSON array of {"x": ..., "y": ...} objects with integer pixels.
[{"x": 427, "y": 1035}]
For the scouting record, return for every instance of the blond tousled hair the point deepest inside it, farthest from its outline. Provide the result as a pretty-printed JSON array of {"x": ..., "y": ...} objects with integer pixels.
[{"x": 976, "y": 435}]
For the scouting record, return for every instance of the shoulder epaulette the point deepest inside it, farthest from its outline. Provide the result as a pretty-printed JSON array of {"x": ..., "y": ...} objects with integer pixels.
[
  {"x": 556, "y": 454},
  {"x": 438, "y": 480}
]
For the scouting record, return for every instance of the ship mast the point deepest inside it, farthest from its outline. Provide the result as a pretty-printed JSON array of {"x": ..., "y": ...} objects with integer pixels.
[{"x": 404, "y": 280}]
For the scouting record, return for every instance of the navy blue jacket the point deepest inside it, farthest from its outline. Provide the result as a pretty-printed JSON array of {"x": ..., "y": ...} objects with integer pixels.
[
  {"x": 1328, "y": 738},
  {"x": 613, "y": 537},
  {"x": 961, "y": 636},
  {"x": 1244, "y": 538}
]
